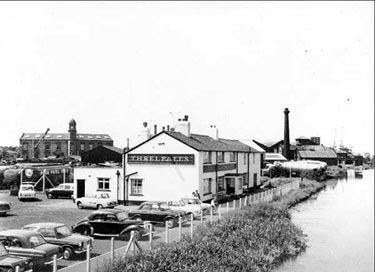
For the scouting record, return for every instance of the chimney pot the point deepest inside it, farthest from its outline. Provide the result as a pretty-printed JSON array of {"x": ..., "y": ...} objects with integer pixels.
[
  {"x": 167, "y": 127},
  {"x": 145, "y": 124},
  {"x": 155, "y": 129}
]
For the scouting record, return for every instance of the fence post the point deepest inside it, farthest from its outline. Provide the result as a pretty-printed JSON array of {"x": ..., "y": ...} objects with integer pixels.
[
  {"x": 201, "y": 216},
  {"x": 240, "y": 203},
  {"x": 150, "y": 237},
  {"x": 179, "y": 228},
  {"x": 88, "y": 258},
  {"x": 54, "y": 266},
  {"x": 245, "y": 204},
  {"x": 166, "y": 232},
  {"x": 219, "y": 211},
  {"x": 191, "y": 225},
  {"x": 234, "y": 204},
  {"x": 44, "y": 181},
  {"x": 17, "y": 268},
  {"x": 211, "y": 214},
  {"x": 112, "y": 249},
  {"x": 227, "y": 206}
]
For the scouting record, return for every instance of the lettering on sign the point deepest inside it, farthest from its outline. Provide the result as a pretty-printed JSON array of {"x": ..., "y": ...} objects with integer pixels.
[{"x": 161, "y": 159}]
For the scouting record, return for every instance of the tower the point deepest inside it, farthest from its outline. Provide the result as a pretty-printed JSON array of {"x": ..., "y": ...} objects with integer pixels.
[
  {"x": 286, "y": 150},
  {"x": 72, "y": 137}
]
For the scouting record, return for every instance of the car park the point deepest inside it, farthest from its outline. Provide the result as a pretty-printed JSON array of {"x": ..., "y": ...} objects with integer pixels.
[
  {"x": 180, "y": 205},
  {"x": 26, "y": 191},
  {"x": 9, "y": 262},
  {"x": 4, "y": 207},
  {"x": 63, "y": 190},
  {"x": 30, "y": 244},
  {"x": 60, "y": 234},
  {"x": 96, "y": 201},
  {"x": 157, "y": 212},
  {"x": 109, "y": 222}
]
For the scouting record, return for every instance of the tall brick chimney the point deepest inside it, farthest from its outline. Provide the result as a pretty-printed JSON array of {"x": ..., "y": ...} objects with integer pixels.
[{"x": 286, "y": 150}]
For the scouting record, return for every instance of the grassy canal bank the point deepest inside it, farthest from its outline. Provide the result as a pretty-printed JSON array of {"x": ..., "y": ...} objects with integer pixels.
[{"x": 255, "y": 238}]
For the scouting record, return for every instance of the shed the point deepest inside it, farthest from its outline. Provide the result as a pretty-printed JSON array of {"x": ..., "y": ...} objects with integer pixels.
[{"x": 101, "y": 154}]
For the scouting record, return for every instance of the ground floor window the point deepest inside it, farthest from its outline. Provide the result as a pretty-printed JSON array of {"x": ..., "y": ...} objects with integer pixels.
[
  {"x": 103, "y": 183},
  {"x": 220, "y": 184},
  {"x": 207, "y": 182},
  {"x": 136, "y": 186},
  {"x": 245, "y": 179}
]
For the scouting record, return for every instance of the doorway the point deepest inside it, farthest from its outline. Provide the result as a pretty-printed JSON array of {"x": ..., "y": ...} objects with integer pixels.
[{"x": 81, "y": 187}]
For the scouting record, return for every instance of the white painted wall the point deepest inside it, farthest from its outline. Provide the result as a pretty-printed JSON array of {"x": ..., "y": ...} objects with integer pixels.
[
  {"x": 164, "y": 182},
  {"x": 255, "y": 160}
]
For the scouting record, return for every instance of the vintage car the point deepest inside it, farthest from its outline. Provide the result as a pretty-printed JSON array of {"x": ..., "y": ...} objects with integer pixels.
[
  {"x": 195, "y": 201},
  {"x": 4, "y": 207},
  {"x": 157, "y": 212},
  {"x": 63, "y": 190},
  {"x": 30, "y": 244},
  {"x": 96, "y": 201},
  {"x": 110, "y": 222},
  {"x": 180, "y": 205},
  {"x": 60, "y": 234},
  {"x": 9, "y": 262},
  {"x": 26, "y": 191}
]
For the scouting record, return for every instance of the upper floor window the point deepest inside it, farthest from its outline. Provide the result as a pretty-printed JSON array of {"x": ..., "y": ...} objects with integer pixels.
[
  {"x": 207, "y": 157},
  {"x": 47, "y": 150},
  {"x": 220, "y": 156},
  {"x": 232, "y": 156},
  {"x": 220, "y": 184}
]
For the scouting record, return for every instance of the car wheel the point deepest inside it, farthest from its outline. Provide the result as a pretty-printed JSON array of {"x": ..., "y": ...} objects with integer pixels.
[
  {"x": 79, "y": 205},
  {"x": 100, "y": 206},
  {"x": 171, "y": 223},
  {"x": 49, "y": 196},
  {"x": 67, "y": 253}
]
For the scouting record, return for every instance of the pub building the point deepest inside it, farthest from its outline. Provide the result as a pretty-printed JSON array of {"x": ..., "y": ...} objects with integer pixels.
[{"x": 173, "y": 163}]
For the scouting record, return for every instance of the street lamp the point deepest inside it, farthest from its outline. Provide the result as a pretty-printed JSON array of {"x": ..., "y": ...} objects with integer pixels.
[{"x": 118, "y": 180}]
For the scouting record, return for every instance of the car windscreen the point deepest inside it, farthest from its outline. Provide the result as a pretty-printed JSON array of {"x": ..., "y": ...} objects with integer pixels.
[
  {"x": 122, "y": 216},
  {"x": 27, "y": 188},
  {"x": 105, "y": 195},
  {"x": 3, "y": 251},
  {"x": 164, "y": 207},
  {"x": 36, "y": 240},
  {"x": 63, "y": 231},
  {"x": 191, "y": 200}
]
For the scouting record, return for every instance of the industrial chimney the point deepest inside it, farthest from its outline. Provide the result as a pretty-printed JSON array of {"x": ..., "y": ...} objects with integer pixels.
[{"x": 286, "y": 150}]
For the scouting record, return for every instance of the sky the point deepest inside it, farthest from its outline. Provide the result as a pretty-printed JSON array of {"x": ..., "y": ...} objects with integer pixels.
[{"x": 114, "y": 65}]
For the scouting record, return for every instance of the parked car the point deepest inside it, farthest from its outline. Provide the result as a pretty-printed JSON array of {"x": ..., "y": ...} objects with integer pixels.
[
  {"x": 4, "y": 207},
  {"x": 157, "y": 212},
  {"x": 60, "y": 234},
  {"x": 9, "y": 262},
  {"x": 98, "y": 201},
  {"x": 30, "y": 244},
  {"x": 196, "y": 202},
  {"x": 63, "y": 190},
  {"x": 26, "y": 191},
  {"x": 180, "y": 205},
  {"x": 109, "y": 222}
]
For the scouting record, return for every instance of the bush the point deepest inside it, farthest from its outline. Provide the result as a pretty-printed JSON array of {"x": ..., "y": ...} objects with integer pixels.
[{"x": 255, "y": 238}]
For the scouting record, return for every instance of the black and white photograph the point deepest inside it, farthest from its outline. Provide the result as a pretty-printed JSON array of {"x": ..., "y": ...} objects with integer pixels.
[{"x": 192, "y": 136}]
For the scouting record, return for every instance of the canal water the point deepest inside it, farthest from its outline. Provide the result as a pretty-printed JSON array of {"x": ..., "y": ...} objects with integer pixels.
[{"x": 339, "y": 223}]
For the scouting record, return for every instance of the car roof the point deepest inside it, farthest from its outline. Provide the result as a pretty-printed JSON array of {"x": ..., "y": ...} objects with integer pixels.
[
  {"x": 18, "y": 233},
  {"x": 154, "y": 202},
  {"x": 44, "y": 225},
  {"x": 3, "y": 202},
  {"x": 107, "y": 211}
]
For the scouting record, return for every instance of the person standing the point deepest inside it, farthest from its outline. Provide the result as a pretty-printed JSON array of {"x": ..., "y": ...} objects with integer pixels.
[{"x": 197, "y": 194}]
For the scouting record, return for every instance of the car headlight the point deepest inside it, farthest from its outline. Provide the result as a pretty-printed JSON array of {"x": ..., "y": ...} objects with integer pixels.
[{"x": 80, "y": 244}]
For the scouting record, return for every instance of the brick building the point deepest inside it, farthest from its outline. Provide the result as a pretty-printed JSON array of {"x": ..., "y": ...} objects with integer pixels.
[{"x": 61, "y": 144}]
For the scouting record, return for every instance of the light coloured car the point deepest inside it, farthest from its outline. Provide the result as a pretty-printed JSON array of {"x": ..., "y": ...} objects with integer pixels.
[
  {"x": 96, "y": 201},
  {"x": 196, "y": 202},
  {"x": 26, "y": 192},
  {"x": 180, "y": 205}
]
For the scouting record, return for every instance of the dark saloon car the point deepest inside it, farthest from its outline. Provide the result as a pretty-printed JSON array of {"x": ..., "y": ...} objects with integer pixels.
[
  {"x": 63, "y": 190},
  {"x": 60, "y": 234},
  {"x": 29, "y": 244},
  {"x": 109, "y": 222},
  {"x": 157, "y": 212},
  {"x": 9, "y": 262}
]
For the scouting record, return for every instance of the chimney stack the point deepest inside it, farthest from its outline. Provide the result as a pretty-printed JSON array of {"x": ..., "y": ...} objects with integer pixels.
[
  {"x": 167, "y": 127},
  {"x": 144, "y": 133},
  {"x": 286, "y": 150},
  {"x": 214, "y": 132},
  {"x": 183, "y": 126}
]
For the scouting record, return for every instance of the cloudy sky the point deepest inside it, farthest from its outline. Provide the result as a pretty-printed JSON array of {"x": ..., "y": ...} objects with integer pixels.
[{"x": 113, "y": 65}]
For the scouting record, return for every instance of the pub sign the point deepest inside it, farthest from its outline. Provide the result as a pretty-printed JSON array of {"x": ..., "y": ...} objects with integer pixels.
[{"x": 186, "y": 159}]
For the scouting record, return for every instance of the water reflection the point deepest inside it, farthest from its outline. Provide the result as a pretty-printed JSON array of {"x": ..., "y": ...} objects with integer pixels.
[{"x": 340, "y": 227}]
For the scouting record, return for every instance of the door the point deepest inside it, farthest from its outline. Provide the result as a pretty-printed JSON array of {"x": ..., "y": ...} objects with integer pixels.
[
  {"x": 255, "y": 179},
  {"x": 230, "y": 185},
  {"x": 80, "y": 188}
]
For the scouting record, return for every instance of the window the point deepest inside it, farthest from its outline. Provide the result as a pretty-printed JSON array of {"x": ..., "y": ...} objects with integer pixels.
[
  {"x": 207, "y": 157},
  {"x": 47, "y": 150},
  {"x": 240, "y": 184},
  {"x": 245, "y": 158},
  {"x": 255, "y": 179},
  {"x": 246, "y": 179},
  {"x": 220, "y": 156},
  {"x": 47, "y": 232},
  {"x": 207, "y": 186},
  {"x": 58, "y": 146},
  {"x": 253, "y": 158},
  {"x": 136, "y": 186},
  {"x": 24, "y": 146},
  {"x": 111, "y": 217},
  {"x": 103, "y": 183},
  {"x": 82, "y": 147},
  {"x": 232, "y": 156},
  {"x": 220, "y": 184}
]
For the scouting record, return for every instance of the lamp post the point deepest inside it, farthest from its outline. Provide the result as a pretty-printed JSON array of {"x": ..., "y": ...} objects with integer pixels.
[
  {"x": 124, "y": 175},
  {"x": 118, "y": 180}
]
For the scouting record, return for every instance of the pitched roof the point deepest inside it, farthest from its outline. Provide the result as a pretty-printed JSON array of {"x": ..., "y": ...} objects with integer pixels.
[
  {"x": 322, "y": 153},
  {"x": 66, "y": 136},
  {"x": 205, "y": 143},
  {"x": 274, "y": 157}
]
